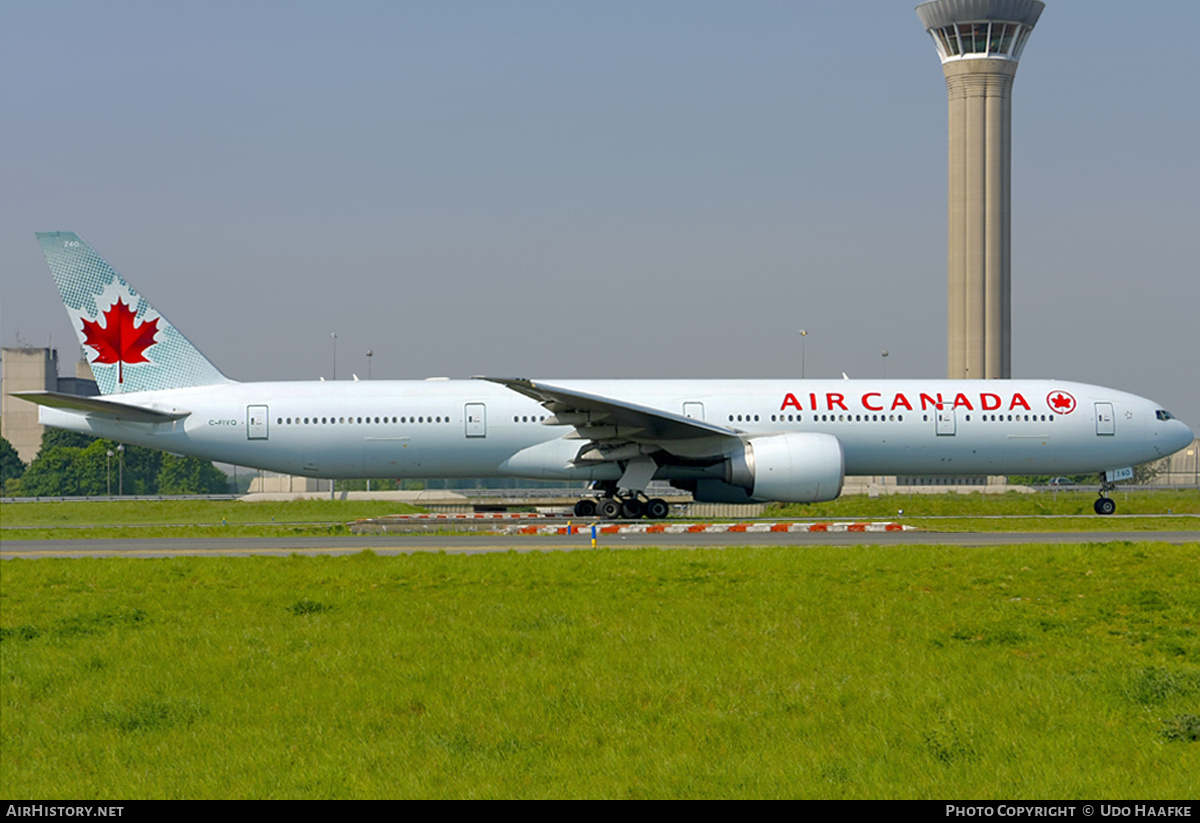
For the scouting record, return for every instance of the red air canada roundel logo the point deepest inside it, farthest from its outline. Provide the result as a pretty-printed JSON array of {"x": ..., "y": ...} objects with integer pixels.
[{"x": 1060, "y": 402}]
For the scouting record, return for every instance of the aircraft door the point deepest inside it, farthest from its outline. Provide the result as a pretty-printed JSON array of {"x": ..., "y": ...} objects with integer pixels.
[
  {"x": 693, "y": 410},
  {"x": 946, "y": 422},
  {"x": 256, "y": 423},
  {"x": 476, "y": 419},
  {"x": 1105, "y": 422}
]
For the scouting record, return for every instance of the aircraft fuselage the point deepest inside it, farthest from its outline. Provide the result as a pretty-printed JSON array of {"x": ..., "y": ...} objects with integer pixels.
[{"x": 474, "y": 428}]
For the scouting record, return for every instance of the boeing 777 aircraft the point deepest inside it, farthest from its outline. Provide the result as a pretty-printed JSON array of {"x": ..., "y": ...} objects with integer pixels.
[{"x": 723, "y": 440}]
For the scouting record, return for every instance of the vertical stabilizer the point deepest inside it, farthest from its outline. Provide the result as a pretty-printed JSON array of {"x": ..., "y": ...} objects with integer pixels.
[{"x": 130, "y": 346}]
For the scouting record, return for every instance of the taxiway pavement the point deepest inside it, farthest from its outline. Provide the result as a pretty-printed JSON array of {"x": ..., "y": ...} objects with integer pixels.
[{"x": 479, "y": 543}]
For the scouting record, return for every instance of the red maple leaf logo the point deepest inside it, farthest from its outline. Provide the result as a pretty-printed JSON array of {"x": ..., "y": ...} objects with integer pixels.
[
  {"x": 1061, "y": 402},
  {"x": 119, "y": 341}
]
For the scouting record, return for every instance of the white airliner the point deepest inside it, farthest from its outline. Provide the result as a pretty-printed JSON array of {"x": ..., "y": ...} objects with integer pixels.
[{"x": 723, "y": 440}]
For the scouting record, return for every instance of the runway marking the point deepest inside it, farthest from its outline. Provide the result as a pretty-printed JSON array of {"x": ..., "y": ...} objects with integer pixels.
[{"x": 146, "y": 554}]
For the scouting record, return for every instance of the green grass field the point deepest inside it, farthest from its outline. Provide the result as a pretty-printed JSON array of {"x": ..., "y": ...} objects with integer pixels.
[
  {"x": 187, "y": 518},
  {"x": 193, "y": 512},
  {"x": 1035, "y": 671}
]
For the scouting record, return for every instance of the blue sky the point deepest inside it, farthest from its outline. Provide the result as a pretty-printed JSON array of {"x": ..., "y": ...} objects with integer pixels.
[{"x": 612, "y": 189}]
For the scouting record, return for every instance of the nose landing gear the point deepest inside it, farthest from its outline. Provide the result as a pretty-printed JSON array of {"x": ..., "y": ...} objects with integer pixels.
[{"x": 1105, "y": 504}]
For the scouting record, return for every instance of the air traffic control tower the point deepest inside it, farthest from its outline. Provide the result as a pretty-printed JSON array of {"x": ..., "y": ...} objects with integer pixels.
[{"x": 980, "y": 42}]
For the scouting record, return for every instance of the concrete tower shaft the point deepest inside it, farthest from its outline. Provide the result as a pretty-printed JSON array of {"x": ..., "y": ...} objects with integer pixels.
[{"x": 979, "y": 43}]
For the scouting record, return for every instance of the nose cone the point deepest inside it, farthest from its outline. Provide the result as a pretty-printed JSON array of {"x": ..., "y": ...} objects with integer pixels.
[{"x": 1180, "y": 436}]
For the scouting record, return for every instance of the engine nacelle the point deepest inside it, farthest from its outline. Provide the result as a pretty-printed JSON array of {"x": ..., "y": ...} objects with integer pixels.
[{"x": 797, "y": 467}]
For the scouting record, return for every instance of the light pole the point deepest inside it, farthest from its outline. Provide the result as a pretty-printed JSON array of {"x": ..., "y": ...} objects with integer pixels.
[
  {"x": 120, "y": 470},
  {"x": 883, "y": 368},
  {"x": 370, "y": 354},
  {"x": 334, "y": 336},
  {"x": 803, "y": 339},
  {"x": 108, "y": 470}
]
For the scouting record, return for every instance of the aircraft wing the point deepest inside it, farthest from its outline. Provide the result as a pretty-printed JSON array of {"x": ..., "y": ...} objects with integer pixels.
[
  {"x": 610, "y": 422},
  {"x": 101, "y": 406}
]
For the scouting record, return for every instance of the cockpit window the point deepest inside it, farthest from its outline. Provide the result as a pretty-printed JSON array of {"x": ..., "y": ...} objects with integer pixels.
[{"x": 1163, "y": 414}]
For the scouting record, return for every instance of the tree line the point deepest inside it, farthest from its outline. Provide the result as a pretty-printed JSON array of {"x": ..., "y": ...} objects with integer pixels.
[{"x": 70, "y": 464}]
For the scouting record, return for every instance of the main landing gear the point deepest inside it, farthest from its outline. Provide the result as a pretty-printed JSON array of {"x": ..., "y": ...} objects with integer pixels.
[
  {"x": 1105, "y": 504},
  {"x": 613, "y": 506}
]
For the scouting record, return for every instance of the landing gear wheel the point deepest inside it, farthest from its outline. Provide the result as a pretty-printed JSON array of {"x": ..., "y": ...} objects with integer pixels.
[
  {"x": 585, "y": 508},
  {"x": 632, "y": 508},
  {"x": 609, "y": 508},
  {"x": 657, "y": 508}
]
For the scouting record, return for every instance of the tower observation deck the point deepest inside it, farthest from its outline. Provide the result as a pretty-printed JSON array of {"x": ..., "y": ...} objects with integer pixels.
[{"x": 979, "y": 43}]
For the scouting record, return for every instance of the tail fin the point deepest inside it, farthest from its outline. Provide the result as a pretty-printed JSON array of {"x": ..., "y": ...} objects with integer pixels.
[{"x": 131, "y": 347}]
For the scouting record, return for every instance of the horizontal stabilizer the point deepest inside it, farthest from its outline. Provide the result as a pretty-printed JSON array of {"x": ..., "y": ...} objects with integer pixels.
[{"x": 101, "y": 407}]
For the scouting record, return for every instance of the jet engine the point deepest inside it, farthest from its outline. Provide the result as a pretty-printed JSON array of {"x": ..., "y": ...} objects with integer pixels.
[{"x": 797, "y": 467}]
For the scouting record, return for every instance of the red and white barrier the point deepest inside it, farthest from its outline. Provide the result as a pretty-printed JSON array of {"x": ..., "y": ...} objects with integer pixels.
[{"x": 708, "y": 528}]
